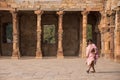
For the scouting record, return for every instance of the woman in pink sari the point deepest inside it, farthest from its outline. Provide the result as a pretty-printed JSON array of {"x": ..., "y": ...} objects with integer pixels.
[{"x": 92, "y": 55}]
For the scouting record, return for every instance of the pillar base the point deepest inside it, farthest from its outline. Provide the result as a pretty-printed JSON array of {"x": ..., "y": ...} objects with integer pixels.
[
  {"x": 117, "y": 58},
  {"x": 14, "y": 57},
  {"x": 60, "y": 55},
  {"x": 83, "y": 56},
  {"x": 38, "y": 55}
]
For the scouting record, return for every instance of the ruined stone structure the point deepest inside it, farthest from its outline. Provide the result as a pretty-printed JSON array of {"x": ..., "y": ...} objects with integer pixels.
[{"x": 69, "y": 18}]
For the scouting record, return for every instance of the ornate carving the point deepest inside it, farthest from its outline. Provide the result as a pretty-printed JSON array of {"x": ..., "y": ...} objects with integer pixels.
[
  {"x": 39, "y": 12},
  {"x": 85, "y": 12},
  {"x": 3, "y": 3},
  {"x": 60, "y": 12}
]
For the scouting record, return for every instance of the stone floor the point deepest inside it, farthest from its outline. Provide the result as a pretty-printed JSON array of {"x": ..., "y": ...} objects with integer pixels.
[{"x": 56, "y": 69}]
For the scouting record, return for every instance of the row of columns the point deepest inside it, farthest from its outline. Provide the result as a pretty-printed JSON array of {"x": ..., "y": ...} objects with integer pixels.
[
  {"x": 16, "y": 52},
  {"x": 110, "y": 34}
]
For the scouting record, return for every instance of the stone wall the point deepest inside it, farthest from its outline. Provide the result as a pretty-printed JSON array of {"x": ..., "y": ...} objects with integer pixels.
[
  {"x": 27, "y": 24},
  {"x": 71, "y": 33}
]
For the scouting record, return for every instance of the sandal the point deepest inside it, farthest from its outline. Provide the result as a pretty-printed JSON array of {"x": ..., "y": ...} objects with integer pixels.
[
  {"x": 87, "y": 71},
  {"x": 92, "y": 71}
]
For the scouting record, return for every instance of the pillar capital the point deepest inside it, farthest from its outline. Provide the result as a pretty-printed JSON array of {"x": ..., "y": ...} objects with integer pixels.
[
  {"x": 110, "y": 12},
  {"x": 85, "y": 12},
  {"x": 14, "y": 11},
  {"x": 103, "y": 14},
  {"x": 117, "y": 9},
  {"x": 38, "y": 12},
  {"x": 60, "y": 12}
]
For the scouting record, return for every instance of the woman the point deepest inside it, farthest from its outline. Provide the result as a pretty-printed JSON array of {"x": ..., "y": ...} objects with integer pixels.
[{"x": 92, "y": 55}]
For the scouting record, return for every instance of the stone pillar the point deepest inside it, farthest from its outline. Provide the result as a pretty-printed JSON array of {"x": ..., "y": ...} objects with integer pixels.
[
  {"x": 112, "y": 28},
  {"x": 60, "y": 35},
  {"x": 102, "y": 26},
  {"x": 109, "y": 46},
  {"x": 15, "y": 53},
  {"x": 102, "y": 43},
  {"x": 112, "y": 42},
  {"x": 0, "y": 37},
  {"x": 117, "y": 36},
  {"x": 84, "y": 33},
  {"x": 106, "y": 39},
  {"x": 98, "y": 40},
  {"x": 38, "y": 49}
]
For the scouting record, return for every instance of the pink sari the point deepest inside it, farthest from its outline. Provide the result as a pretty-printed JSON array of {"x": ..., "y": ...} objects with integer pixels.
[{"x": 90, "y": 55}]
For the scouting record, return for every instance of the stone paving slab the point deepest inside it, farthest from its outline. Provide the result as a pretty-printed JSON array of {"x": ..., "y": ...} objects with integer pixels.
[{"x": 57, "y": 69}]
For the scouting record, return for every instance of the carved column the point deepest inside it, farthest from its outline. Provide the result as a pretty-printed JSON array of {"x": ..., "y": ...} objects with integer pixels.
[
  {"x": 0, "y": 38},
  {"x": 98, "y": 38},
  {"x": 112, "y": 28},
  {"x": 15, "y": 53},
  {"x": 60, "y": 35},
  {"x": 38, "y": 50},
  {"x": 110, "y": 33},
  {"x": 102, "y": 43},
  {"x": 112, "y": 42},
  {"x": 84, "y": 32},
  {"x": 102, "y": 26},
  {"x": 117, "y": 36}
]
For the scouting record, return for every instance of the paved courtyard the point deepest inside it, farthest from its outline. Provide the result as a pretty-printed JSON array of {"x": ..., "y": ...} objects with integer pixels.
[{"x": 56, "y": 69}]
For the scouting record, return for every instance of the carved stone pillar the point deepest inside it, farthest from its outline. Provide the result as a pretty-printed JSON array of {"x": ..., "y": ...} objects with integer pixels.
[
  {"x": 0, "y": 37},
  {"x": 112, "y": 28},
  {"x": 98, "y": 40},
  {"x": 102, "y": 43},
  {"x": 38, "y": 50},
  {"x": 60, "y": 35},
  {"x": 84, "y": 32},
  {"x": 106, "y": 39},
  {"x": 15, "y": 53},
  {"x": 109, "y": 34},
  {"x": 117, "y": 36},
  {"x": 112, "y": 42},
  {"x": 102, "y": 26}
]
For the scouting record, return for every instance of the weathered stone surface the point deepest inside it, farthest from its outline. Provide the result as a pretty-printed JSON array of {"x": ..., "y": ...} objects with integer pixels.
[
  {"x": 55, "y": 4},
  {"x": 57, "y": 69}
]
